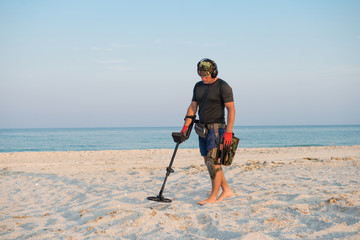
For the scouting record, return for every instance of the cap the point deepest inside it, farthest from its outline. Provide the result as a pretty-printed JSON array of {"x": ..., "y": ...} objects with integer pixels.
[{"x": 205, "y": 67}]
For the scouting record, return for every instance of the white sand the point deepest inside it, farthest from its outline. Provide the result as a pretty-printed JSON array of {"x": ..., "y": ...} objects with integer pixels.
[{"x": 280, "y": 193}]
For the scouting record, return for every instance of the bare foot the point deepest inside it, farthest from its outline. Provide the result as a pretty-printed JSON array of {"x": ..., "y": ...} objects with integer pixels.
[
  {"x": 209, "y": 200},
  {"x": 224, "y": 195}
]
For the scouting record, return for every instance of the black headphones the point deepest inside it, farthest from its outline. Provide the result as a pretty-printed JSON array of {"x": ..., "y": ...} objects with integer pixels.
[{"x": 215, "y": 71}]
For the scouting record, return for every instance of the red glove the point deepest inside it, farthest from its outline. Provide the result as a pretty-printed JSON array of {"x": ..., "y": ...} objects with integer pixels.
[
  {"x": 227, "y": 138},
  {"x": 183, "y": 131}
]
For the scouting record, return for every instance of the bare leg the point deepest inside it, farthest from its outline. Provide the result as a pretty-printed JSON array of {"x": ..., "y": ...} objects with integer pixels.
[
  {"x": 215, "y": 186},
  {"x": 226, "y": 191},
  {"x": 216, "y": 183}
]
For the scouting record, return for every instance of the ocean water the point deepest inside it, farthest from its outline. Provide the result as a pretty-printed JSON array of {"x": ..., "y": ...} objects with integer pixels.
[{"x": 91, "y": 139}]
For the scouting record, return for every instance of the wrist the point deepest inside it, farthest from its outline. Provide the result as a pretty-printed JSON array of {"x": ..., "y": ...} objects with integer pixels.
[{"x": 229, "y": 129}]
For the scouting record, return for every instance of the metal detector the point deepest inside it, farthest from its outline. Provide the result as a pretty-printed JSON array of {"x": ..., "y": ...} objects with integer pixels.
[{"x": 178, "y": 138}]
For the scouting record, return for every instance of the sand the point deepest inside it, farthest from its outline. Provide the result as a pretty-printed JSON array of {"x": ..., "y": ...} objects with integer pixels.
[{"x": 279, "y": 193}]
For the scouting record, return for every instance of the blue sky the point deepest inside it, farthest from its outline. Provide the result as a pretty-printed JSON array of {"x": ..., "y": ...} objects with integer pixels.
[{"x": 133, "y": 63}]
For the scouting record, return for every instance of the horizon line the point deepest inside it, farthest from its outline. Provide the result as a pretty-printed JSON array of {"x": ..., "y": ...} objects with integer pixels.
[{"x": 92, "y": 127}]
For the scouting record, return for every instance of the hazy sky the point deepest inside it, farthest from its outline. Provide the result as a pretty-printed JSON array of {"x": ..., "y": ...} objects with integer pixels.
[{"x": 133, "y": 63}]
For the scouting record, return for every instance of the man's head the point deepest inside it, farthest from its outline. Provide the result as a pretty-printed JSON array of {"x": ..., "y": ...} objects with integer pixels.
[{"x": 207, "y": 67}]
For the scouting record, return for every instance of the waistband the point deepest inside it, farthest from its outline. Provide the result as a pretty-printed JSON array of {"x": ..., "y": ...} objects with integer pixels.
[{"x": 215, "y": 125}]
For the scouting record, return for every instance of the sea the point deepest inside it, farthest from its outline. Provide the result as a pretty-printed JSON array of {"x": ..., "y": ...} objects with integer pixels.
[{"x": 130, "y": 138}]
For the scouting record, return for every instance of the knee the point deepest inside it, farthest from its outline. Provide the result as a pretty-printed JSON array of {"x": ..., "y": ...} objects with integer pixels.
[
  {"x": 213, "y": 154},
  {"x": 212, "y": 168}
]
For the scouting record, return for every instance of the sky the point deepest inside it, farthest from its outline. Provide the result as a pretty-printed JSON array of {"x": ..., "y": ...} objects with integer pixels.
[{"x": 89, "y": 63}]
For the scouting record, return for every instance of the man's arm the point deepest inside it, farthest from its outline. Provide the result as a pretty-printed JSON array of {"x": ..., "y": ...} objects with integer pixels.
[
  {"x": 230, "y": 107},
  {"x": 190, "y": 112}
]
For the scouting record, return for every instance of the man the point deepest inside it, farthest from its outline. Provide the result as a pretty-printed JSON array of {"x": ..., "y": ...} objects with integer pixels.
[{"x": 212, "y": 95}]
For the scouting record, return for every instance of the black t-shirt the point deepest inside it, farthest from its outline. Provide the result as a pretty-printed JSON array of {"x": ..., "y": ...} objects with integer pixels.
[{"x": 212, "y": 110}]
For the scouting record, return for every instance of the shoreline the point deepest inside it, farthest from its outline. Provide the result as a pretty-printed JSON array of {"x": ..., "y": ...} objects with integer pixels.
[
  {"x": 185, "y": 148},
  {"x": 279, "y": 193}
]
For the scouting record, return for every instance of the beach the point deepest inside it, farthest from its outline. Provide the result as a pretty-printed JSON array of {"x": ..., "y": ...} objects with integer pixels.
[{"x": 279, "y": 193}]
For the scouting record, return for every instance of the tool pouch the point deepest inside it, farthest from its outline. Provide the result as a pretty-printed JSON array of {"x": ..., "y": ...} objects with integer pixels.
[
  {"x": 228, "y": 153},
  {"x": 201, "y": 130}
]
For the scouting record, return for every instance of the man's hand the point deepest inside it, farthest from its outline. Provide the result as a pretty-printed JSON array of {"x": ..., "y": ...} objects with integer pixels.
[
  {"x": 183, "y": 131},
  {"x": 227, "y": 138}
]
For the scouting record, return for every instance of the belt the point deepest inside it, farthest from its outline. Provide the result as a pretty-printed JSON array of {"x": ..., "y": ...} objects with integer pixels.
[{"x": 215, "y": 125}]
